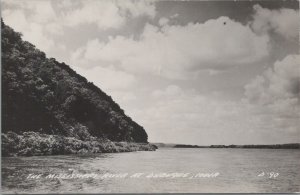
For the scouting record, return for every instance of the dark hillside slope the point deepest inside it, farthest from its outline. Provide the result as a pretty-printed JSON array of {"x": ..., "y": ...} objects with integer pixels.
[{"x": 40, "y": 94}]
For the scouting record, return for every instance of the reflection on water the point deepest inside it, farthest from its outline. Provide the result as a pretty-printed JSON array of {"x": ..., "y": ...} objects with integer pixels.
[{"x": 238, "y": 168}]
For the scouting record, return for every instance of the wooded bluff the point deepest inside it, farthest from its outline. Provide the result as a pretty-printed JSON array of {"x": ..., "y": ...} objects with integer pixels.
[{"x": 42, "y": 95}]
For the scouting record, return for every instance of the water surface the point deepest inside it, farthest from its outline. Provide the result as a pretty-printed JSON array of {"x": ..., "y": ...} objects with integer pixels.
[{"x": 239, "y": 171}]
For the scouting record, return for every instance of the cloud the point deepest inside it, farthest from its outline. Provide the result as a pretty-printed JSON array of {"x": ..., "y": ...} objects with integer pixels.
[
  {"x": 67, "y": 4},
  {"x": 137, "y": 8},
  {"x": 170, "y": 91},
  {"x": 282, "y": 82},
  {"x": 283, "y": 21},
  {"x": 105, "y": 14},
  {"x": 269, "y": 112},
  {"x": 108, "y": 14},
  {"x": 36, "y": 21},
  {"x": 108, "y": 79},
  {"x": 40, "y": 12},
  {"x": 178, "y": 52},
  {"x": 163, "y": 21},
  {"x": 178, "y": 115},
  {"x": 41, "y": 22},
  {"x": 15, "y": 19},
  {"x": 175, "y": 16},
  {"x": 277, "y": 93},
  {"x": 43, "y": 11}
]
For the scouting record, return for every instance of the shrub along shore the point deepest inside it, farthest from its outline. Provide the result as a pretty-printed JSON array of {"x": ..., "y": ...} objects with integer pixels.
[{"x": 37, "y": 144}]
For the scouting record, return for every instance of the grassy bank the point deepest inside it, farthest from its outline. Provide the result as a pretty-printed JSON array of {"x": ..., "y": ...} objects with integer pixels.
[{"x": 34, "y": 144}]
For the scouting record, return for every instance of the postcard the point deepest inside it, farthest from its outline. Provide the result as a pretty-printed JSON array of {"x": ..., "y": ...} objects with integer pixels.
[{"x": 150, "y": 96}]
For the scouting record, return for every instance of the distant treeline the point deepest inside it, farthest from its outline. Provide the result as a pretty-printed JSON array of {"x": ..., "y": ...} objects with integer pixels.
[
  {"x": 274, "y": 146},
  {"x": 189, "y": 146}
]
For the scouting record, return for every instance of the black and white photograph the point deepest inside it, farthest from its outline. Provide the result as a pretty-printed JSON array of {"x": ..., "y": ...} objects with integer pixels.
[{"x": 150, "y": 96}]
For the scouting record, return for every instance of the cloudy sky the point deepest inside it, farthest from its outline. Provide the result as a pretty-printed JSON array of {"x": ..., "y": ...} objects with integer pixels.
[{"x": 194, "y": 72}]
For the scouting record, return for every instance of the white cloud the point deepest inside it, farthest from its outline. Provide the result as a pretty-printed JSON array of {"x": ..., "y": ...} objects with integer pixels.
[
  {"x": 129, "y": 97},
  {"x": 35, "y": 34},
  {"x": 277, "y": 92},
  {"x": 43, "y": 11},
  {"x": 108, "y": 78},
  {"x": 15, "y": 18},
  {"x": 174, "y": 16},
  {"x": 54, "y": 28},
  {"x": 36, "y": 11},
  {"x": 108, "y": 14},
  {"x": 105, "y": 14},
  {"x": 36, "y": 21},
  {"x": 163, "y": 21},
  {"x": 138, "y": 7},
  {"x": 170, "y": 91},
  {"x": 124, "y": 98},
  {"x": 180, "y": 51},
  {"x": 63, "y": 4},
  {"x": 282, "y": 82},
  {"x": 185, "y": 116},
  {"x": 269, "y": 113},
  {"x": 41, "y": 21},
  {"x": 284, "y": 21}
]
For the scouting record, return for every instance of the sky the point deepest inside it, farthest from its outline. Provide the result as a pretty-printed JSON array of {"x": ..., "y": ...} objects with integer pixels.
[{"x": 190, "y": 72}]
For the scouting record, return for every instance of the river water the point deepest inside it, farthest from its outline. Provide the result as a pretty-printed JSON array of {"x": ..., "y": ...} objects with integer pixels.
[{"x": 165, "y": 170}]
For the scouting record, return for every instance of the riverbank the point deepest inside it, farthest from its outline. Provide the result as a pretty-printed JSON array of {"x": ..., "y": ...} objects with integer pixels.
[{"x": 37, "y": 144}]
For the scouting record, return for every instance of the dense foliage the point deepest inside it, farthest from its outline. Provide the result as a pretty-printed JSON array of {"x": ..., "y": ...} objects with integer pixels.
[
  {"x": 43, "y": 95},
  {"x": 34, "y": 144}
]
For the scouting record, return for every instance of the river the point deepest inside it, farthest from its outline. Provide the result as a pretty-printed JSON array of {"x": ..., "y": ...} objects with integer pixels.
[{"x": 165, "y": 170}]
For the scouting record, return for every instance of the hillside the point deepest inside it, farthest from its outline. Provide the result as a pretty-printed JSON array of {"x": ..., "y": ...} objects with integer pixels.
[{"x": 42, "y": 95}]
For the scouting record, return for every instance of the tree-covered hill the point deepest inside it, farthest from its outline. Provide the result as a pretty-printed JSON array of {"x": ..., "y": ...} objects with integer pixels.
[{"x": 43, "y": 95}]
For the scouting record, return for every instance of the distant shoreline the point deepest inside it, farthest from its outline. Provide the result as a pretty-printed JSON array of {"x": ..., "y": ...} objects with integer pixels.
[
  {"x": 275, "y": 146},
  {"x": 253, "y": 146}
]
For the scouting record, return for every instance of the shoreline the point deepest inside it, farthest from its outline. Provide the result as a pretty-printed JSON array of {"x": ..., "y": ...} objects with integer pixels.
[
  {"x": 37, "y": 144},
  {"x": 258, "y": 146}
]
